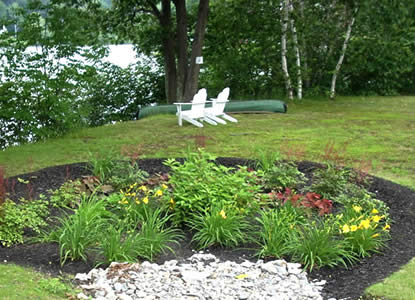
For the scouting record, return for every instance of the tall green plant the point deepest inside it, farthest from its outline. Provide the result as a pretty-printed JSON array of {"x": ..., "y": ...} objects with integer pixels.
[
  {"x": 200, "y": 183},
  {"x": 79, "y": 233}
]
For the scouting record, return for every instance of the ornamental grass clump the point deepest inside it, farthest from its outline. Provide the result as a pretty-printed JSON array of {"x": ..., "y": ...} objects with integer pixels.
[
  {"x": 220, "y": 227},
  {"x": 78, "y": 233},
  {"x": 275, "y": 227},
  {"x": 317, "y": 245}
]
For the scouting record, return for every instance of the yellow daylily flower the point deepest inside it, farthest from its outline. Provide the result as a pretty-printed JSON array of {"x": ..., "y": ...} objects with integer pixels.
[
  {"x": 172, "y": 201},
  {"x": 222, "y": 214},
  {"x": 386, "y": 227},
  {"x": 376, "y": 218},
  {"x": 345, "y": 228},
  {"x": 145, "y": 200},
  {"x": 137, "y": 201},
  {"x": 353, "y": 228},
  {"x": 364, "y": 224},
  {"x": 159, "y": 193},
  {"x": 164, "y": 186},
  {"x": 143, "y": 188},
  {"x": 375, "y": 235},
  {"x": 375, "y": 211},
  {"x": 357, "y": 208}
]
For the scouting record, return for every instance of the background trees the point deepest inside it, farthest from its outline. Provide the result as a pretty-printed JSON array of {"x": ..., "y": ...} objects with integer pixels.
[
  {"x": 179, "y": 38},
  {"x": 342, "y": 46}
]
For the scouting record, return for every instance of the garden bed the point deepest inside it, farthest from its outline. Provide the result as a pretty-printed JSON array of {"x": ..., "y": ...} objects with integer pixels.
[{"x": 341, "y": 282}]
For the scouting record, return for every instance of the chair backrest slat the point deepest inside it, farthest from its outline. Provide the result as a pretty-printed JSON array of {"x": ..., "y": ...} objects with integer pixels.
[
  {"x": 200, "y": 97},
  {"x": 219, "y": 104}
]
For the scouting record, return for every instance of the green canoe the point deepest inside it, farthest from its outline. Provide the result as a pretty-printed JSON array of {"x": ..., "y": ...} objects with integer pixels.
[{"x": 248, "y": 106}]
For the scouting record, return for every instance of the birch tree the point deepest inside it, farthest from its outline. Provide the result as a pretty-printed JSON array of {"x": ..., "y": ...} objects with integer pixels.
[
  {"x": 297, "y": 53},
  {"x": 284, "y": 26},
  {"x": 336, "y": 71}
]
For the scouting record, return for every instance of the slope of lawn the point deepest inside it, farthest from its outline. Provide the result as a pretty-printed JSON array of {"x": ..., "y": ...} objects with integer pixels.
[{"x": 376, "y": 134}]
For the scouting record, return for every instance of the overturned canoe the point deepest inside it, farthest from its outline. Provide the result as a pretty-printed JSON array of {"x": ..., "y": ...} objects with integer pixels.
[{"x": 248, "y": 106}]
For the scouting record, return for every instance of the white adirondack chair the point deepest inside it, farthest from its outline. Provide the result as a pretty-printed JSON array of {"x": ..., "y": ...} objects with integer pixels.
[
  {"x": 216, "y": 112},
  {"x": 196, "y": 114}
]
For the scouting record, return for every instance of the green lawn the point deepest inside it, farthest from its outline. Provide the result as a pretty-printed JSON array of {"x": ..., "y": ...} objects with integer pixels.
[{"x": 372, "y": 133}]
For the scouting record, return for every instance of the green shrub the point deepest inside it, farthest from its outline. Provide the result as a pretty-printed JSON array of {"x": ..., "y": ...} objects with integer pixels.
[
  {"x": 330, "y": 181},
  {"x": 221, "y": 227},
  {"x": 111, "y": 169},
  {"x": 199, "y": 183},
  {"x": 15, "y": 218},
  {"x": 68, "y": 195},
  {"x": 283, "y": 175}
]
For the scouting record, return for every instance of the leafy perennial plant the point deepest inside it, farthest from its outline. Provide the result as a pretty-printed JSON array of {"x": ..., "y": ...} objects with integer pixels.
[{"x": 220, "y": 206}]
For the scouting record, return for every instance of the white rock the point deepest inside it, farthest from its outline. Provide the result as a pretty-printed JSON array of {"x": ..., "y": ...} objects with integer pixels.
[
  {"x": 82, "y": 277},
  {"x": 125, "y": 297},
  {"x": 82, "y": 296},
  {"x": 190, "y": 276}
]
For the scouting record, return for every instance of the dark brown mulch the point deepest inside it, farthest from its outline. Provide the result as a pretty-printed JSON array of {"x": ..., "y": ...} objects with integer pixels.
[{"x": 341, "y": 283}]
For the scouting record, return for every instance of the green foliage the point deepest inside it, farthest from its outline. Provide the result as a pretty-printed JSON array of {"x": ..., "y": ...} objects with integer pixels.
[
  {"x": 137, "y": 203},
  {"x": 56, "y": 286},
  {"x": 61, "y": 84},
  {"x": 316, "y": 245},
  {"x": 116, "y": 94},
  {"x": 274, "y": 230},
  {"x": 111, "y": 169},
  {"x": 330, "y": 181},
  {"x": 364, "y": 231},
  {"x": 15, "y": 218},
  {"x": 117, "y": 245},
  {"x": 79, "y": 232},
  {"x": 155, "y": 236},
  {"x": 283, "y": 175},
  {"x": 199, "y": 183},
  {"x": 222, "y": 227},
  {"x": 68, "y": 195},
  {"x": 267, "y": 159}
]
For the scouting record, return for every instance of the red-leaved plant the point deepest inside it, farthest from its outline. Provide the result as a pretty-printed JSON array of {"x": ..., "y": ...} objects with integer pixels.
[
  {"x": 311, "y": 200},
  {"x": 314, "y": 200}
]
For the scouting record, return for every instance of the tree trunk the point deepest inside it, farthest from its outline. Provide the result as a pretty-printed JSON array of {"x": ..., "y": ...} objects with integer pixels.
[
  {"x": 284, "y": 49},
  {"x": 182, "y": 44},
  {"x": 342, "y": 54},
  {"x": 168, "y": 52},
  {"x": 297, "y": 54},
  {"x": 304, "y": 50},
  {"x": 194, "y": 69}
]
